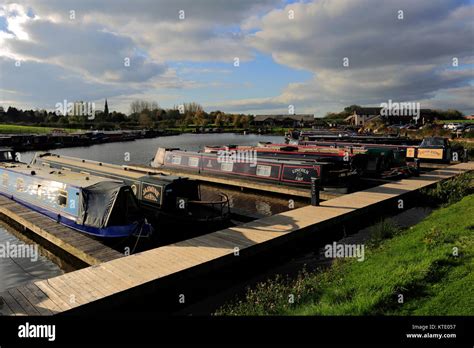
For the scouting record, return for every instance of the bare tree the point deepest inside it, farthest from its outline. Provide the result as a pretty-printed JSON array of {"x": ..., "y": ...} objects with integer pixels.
[{"x": 139, "y": 105}]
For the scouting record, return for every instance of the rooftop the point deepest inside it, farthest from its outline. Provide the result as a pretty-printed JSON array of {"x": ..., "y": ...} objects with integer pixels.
[{"x": 63, "y": 176}]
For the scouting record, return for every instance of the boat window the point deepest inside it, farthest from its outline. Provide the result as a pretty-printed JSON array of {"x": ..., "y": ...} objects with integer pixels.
[
  {"x": 62, "y": 198},
  {"x": 433, "y": 142},
  {"x": 176, "y": 160},
  {"x": 6, "y": 156},
  {"x": 264, "y": 170},
  {"x": 227, "y": 167},
  {"x": 193, "y": 161}
]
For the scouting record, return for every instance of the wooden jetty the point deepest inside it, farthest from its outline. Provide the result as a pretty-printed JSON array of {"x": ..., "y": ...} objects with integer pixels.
[
  {"x": 148, "y": 271},
  {"x": 76, "y": 248}
]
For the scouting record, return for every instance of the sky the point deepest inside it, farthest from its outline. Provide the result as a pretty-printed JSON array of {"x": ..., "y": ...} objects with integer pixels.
[{"x": 240, "y": 56}]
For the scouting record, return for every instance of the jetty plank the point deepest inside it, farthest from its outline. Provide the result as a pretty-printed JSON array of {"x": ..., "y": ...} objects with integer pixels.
[{"x": 80, "y": 246}]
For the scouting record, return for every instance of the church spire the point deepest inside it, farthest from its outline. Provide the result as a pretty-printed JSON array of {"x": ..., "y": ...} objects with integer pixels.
[{"x": 106, "y": 108}]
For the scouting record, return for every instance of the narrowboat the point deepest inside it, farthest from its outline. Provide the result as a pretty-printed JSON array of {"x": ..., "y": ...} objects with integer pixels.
[
  {"x": 93, "y": 205},
  {"x": 295, "y": 137},
  {"x": 248, "y": 165},
  {"x": 158, "y": 195},
  {"x": 366, "y": 161},
  {"x": 436, "y": 149}
]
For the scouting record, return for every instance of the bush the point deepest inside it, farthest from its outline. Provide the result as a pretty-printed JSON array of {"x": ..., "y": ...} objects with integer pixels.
[
  {"x": 449, "y": 191},
  {"x": 383, "y": 230},
  {"x": 273, "y": 296}
]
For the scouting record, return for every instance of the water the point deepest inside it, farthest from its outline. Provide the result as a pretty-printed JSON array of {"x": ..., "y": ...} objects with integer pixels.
[
  {"x": 142, "y": 152},
  {"x": 15, "y": 271}
]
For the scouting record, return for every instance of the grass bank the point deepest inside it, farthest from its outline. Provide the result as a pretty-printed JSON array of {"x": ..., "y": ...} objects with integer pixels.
[
  {"x": 17, "y": 129},
  {"x": 430, "y": 264}
]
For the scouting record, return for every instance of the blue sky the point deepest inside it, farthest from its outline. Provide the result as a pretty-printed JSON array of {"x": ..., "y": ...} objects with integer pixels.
[{"x": 46, "y": 56}]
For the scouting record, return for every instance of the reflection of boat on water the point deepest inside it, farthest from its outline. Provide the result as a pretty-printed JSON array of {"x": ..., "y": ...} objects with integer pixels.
[
  {"x": 94, "y": 205},
  {"x": 163, "y": 198}
]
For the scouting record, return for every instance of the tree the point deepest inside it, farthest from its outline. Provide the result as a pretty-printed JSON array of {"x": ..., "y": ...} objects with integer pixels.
[
  {"x": 350, "y": 109},
  {"x": 192, "y": 108},
  {"x": 245, "y": 120},
  {"x": 200, "y": 118},
  {"x": 236, "y": 121},
  {"x": 145, "y": 120},
  {"x": 218, "y": 121},
  {"x": 138, "y": 106}
]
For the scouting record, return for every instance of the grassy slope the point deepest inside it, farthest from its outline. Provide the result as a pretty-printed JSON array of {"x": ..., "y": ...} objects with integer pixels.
[
  {"x": 455, "y": 121},
  {"x": 11, "y": 128},
  {"x": 417, "y": 263}
]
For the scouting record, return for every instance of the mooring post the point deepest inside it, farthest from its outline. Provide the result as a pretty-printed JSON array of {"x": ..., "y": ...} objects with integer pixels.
[
  {"x": 417, "y": 166},
  {"x": 315, "y": 191},
  {"x": 466, "y": 156}
]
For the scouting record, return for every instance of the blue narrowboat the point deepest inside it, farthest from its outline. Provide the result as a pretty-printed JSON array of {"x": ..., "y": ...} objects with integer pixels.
[{"x": 90, "y": 204}]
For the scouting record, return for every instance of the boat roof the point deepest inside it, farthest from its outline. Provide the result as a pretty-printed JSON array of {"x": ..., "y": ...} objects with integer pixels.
[
  {"x": 107, "y": 168},
  {"x": 64, "y": 176}
]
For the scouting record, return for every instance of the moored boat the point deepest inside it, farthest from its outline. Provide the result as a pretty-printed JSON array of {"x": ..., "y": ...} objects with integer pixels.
[
  {"x": 163, "y": 198},
  {"x": 248, "y": 165},
  {"x": 365, "y": 160},
  {"x": 437, "y": 149},
  {"x": 93, "y": 205}
]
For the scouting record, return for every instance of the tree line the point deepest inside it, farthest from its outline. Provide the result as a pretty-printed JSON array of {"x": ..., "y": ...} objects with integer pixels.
[{"x": 142, "y": 114}]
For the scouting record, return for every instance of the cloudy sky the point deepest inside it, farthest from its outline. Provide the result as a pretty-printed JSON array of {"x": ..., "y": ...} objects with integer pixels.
[{"x": 238, "y": 55}]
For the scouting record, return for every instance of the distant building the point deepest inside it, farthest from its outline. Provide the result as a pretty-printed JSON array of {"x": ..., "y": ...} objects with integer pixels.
[
  {"x": 106, "y": 108},
  {"x": 364, "y": 115},
  {"x": 469, "y": 117},
  {"x": 302, "y": 120}
]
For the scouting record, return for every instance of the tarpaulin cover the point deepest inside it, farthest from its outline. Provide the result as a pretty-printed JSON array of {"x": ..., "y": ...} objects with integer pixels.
[{"x": 97, "y": 203}]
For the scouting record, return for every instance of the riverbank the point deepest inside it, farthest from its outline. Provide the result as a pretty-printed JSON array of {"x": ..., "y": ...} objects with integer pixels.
[
  {"x": 30, "y": 138},
  {"x": 20, "y": 129},
  {"x": 423, "y": 270}
]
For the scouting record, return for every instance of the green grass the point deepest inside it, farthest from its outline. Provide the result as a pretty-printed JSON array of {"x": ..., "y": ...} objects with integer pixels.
[
  {"x": 469, "y": 145},
  {"x": 454, "y": 121},
  {"x": 417, "y": 263},
  {"x": 15, "y": 129}
]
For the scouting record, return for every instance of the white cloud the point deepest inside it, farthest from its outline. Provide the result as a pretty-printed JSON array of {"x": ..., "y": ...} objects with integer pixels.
[{"x": 406, "y": 60}]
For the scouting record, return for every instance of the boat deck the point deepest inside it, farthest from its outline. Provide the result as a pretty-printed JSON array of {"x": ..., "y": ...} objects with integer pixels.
[{"x": 119, "y": 278}]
